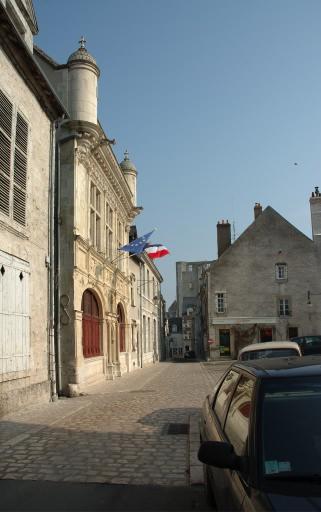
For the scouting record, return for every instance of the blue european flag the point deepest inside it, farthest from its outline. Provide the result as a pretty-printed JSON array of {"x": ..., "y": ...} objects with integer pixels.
[{"x": 138, "y": 245}]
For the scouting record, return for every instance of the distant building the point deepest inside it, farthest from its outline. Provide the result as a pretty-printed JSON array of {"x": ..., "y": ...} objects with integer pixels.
[
  {"x": 175, "y": 347},
  {"x": 146, "y": 330},
  {"x": 188, "y": 286},
  {"x": 172, "y": 310},
  {"x": 266, "y": 285}
]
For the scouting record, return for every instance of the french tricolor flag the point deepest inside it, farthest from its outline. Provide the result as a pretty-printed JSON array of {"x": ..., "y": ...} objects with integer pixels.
[{"x": 156, "y": 251}]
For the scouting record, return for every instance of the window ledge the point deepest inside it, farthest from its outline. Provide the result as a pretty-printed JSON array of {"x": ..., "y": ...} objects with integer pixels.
[{"x": 13, "y": 227}]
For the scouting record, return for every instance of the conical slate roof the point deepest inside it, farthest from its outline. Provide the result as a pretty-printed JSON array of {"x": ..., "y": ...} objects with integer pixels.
[
  {"x": 82, "y": 54},
  {"x": 126, "y": 164}
]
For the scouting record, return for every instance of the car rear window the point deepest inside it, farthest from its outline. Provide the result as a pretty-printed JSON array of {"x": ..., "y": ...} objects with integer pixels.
[{"x": 274, "y": 352}]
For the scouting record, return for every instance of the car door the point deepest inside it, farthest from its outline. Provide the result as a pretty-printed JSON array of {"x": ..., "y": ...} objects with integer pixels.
[{"x": 236, "y": 431}]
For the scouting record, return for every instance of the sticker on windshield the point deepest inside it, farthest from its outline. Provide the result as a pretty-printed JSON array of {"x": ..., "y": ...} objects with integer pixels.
[
  {"x": 274, "y": 466},
  {"x": 271, "y": 466},
  {"x": 285, "y": 466}
]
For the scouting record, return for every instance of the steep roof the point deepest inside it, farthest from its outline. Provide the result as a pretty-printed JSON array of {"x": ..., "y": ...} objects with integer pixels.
[
  {"x": 268, "y": 215},
  {"x": 25, "y": 63}
]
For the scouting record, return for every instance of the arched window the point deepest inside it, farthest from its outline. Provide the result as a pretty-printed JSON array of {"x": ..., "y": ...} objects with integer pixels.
[
  {"x": 121, "y": 328},
  {"x": 90, "y": 325}
]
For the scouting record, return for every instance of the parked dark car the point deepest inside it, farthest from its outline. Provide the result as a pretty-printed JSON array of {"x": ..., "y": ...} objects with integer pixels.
[
  {"x": 190, "y": 354},
  {"x": 261, "y": 436},
  {"x": 308, "y": 344}
]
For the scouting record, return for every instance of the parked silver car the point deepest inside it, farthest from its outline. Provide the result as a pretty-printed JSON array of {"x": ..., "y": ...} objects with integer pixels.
[{"x": 269, "y": 349}]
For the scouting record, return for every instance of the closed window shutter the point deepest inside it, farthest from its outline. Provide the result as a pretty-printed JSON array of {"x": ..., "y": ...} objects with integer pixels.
[
  {"x": 20, "y": 171},
  {"x": 5, "y": 152}
]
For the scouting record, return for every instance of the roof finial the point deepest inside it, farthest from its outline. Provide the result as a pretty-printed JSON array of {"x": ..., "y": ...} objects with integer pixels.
[
  {"x": 126, "y": 155},
  {"x": 82, "y": 42}
]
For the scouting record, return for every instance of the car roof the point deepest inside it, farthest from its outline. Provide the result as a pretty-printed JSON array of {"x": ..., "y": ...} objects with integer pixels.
[
  {"x": 306, "y": 336},
  {"x": 268, "y": 345},
  {"x": 281, "y": 366}
]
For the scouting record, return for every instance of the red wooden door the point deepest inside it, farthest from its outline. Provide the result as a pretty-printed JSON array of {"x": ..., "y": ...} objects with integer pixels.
[
  {"x": 121, "y": 328},
  {"x": 90, "y": 325}
]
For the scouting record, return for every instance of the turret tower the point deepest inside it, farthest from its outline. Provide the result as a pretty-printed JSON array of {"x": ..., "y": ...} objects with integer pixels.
[
  {"x": 82, "y": 85},
  {"x": 130, "y": 174}
]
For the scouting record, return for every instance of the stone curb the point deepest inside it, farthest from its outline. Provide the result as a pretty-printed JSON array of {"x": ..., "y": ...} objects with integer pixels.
[{"x": 195, "y": 466}]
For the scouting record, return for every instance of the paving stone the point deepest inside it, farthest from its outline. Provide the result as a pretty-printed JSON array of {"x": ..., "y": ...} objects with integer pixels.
[{"x": 114, "y": 433}]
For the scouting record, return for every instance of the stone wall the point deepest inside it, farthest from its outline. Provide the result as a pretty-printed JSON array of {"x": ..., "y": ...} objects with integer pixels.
[{"x": 30, "y": 243}]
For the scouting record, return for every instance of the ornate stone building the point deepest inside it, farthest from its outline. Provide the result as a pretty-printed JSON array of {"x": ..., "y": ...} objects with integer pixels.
[
  {"x": 28, "y": 110},
  {"x": 96, "y": 203}
]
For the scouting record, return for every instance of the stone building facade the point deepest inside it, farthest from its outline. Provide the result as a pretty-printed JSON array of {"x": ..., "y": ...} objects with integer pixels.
[
  {"x": 257, "y": 289},
  {"x": 28, "y": 110},
  {"x": 96, "y": 203},
  {"x": 146, "y": 312}
]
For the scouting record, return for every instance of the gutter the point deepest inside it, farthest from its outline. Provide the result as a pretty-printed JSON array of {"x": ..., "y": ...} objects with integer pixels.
[{"x": 51, "y": 263}]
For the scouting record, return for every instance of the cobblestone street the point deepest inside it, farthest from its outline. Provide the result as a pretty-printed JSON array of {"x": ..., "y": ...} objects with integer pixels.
[{"x": 115, "y": 433}]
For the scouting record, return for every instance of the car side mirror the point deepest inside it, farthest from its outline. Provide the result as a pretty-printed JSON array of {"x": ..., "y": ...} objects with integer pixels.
[{"x": 220, "y": 455}]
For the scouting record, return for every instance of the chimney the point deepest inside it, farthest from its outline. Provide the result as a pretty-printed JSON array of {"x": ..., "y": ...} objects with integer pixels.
[
  {"x": 223, "y": 236},
  {"x": 315, "y": 207},
  {"x": 257, "y": 210}
]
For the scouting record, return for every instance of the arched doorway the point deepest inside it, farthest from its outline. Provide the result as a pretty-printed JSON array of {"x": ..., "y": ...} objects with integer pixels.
[
  {"x": 90, "y": 325},
  {"x": 121, "y": 328}
]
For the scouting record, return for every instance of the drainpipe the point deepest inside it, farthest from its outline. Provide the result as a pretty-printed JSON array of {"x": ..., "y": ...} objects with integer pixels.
[
  {"x": 140, "y": 314},
  {"x": 51, "y": 264},
  {"x": 57, "y": 273}
]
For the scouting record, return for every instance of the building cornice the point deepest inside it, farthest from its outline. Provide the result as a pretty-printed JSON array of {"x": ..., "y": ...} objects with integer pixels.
[
  {"x": 93, "y": 150},
  {"x": 245, "y": 320}
]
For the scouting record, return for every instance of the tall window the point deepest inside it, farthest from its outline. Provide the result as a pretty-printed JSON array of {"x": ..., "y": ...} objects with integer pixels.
[
  {"x": 13, "y": 161},
  {"x": 109, "y": 222},
  {"x": 95, "y": 216},
  {"x": 281, "y": 271},
  {"x": 120, "y": 242},
  {"x": 220, "y": 302},
  {"x": 284, "y": 309},
  {"x": 132, "y": 290},
  {"x": 148, "y": 284},
  {"x": 144, "y": 334}
]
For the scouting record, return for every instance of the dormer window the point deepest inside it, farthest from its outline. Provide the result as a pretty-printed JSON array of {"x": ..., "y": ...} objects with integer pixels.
[{"x": 281, "y": 271}]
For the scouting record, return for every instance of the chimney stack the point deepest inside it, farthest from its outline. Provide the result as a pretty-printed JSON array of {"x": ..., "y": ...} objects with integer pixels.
[
  {"x": 257, "y": 210},
  {"x": 223, "y": 236},
  {"x": 315, "y": 207}
]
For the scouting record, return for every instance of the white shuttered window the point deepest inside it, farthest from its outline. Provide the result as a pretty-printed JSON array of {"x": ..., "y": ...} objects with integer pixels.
[
  {"x": 14, "y": 316},
  {"x": 14, "y": 134}
]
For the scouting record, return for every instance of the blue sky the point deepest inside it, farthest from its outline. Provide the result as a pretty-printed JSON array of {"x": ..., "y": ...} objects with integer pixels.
[{"x": 215, "y": 101}]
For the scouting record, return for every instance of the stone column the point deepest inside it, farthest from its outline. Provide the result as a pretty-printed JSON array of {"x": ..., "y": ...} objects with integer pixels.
[
  {"x": 75, "y": 381},
  {"x": 109, "y": 363}
]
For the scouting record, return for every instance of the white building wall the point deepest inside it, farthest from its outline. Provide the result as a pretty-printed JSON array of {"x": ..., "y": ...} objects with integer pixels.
[{"x": 29, "y": 244}]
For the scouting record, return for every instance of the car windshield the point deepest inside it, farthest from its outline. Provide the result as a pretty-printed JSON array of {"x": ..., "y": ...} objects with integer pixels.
[
  {"x": 310, "y": 345},
  {"x": 272, "y": 352},
  {"x": 291, "y": 429}
]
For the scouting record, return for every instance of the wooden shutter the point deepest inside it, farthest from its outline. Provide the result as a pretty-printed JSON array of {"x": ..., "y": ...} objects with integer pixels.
[
  {"x": 14, "y": 315},
  {"x": 5, "y": 152},
  {"x": 20, "y": 171}
]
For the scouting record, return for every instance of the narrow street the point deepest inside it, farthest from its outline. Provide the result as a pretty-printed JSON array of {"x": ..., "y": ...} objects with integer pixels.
[{"x": 63, "y": 454}]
